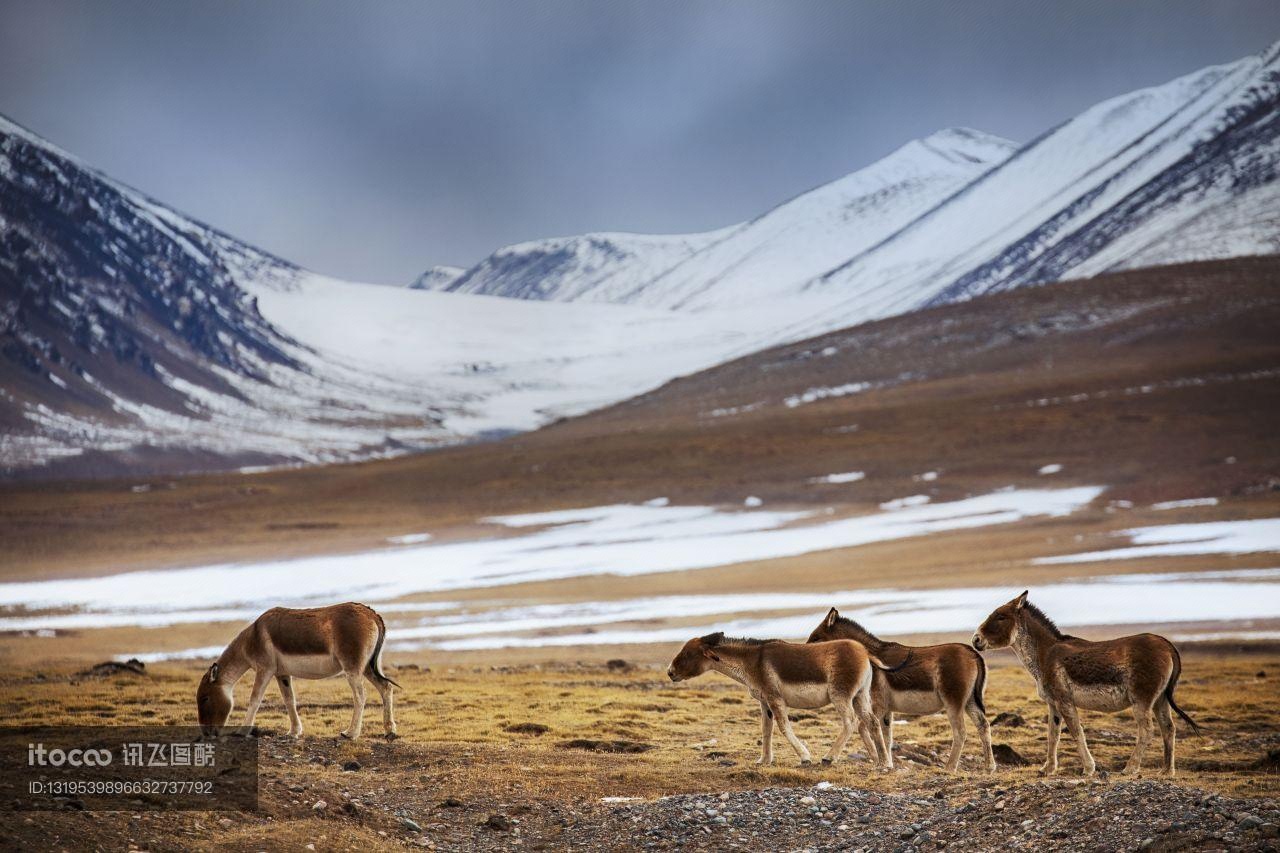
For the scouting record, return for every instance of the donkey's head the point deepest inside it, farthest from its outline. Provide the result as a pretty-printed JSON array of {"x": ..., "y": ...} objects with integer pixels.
[
  {"x": 827, "y": 630},
  {"x": 213, "y": 701},
  {"x": 1000, "y": 628},
  {"x": 695, "y": 658}
]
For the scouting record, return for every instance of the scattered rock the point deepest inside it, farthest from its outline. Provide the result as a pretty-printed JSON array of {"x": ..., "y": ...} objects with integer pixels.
[
  {"x": 618, "y": 665},
  {"x": 319, "y": 806},
  {"x": 411, "y": 825},
  {"x": 451, "y": 803},
  {"x": 351, "y": 766},
  {"x": 500, "y": 823},
  {"x": 592, "y": 745},
  {"x": 1008, "y": 718},
  {"x": 1008, "y": 756},
  {"x": 114, "y": 667},
  {"x": 527, "y": 728}
]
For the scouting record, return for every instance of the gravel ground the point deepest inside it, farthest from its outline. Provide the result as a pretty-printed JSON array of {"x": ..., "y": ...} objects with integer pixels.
[{"x": 1050, "y": 815}]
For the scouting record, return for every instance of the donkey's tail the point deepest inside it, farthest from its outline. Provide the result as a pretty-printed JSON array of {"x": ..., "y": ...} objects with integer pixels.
[
  {"x": 879, "y": 664},
  {"x": 980, "y": 684},
  {"x": 375, "y": 660},
  {"x": 1168, "y": 691}
]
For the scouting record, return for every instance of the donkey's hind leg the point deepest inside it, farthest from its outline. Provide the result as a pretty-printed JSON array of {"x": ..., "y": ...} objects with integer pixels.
[
  {"x": 1168, "y": 733},
  {"x": 984, "y": 733},
  {"x": 1142, "y": 716},
  {"x": 766, "y": 734},
  {"x": 955, "y": 715},
  {"x": 843, "y": 705},
  {"x": 386, "y": 692},
  {"x": 357, "y": 711},
  {"x": 872, "y": 733}
]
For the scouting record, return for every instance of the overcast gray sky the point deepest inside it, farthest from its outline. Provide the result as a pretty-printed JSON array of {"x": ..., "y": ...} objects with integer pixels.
[{"x": 370, "y": 140}]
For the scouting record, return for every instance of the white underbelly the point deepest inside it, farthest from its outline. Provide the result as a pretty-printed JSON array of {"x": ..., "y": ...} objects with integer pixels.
[
  {"x": 1100, "y": 697},
  {"x": 308, "y": 666},
  {"x": 805, "y": 695},
  {"x": 914, "y": 701}
]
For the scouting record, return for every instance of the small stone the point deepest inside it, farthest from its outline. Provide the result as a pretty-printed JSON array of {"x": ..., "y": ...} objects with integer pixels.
[
  {"x": 498, "y": 822},
  {"x": 451, "y": 803},
  {"x": 1248, "y": 821},
  {"x": 807, "y": 801},
  {"x": 319, "y": 806},
  {"x": 410, "y": 824},
  {"x": 351, "y": 766},
  {"x": 226, "y": 823}
]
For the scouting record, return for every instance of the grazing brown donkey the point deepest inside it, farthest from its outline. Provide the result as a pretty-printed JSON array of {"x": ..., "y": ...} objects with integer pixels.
[
  {"x": 1138, "y": 672},
  {"x": 948, "y": 677},
  {"x": 781, "y": 675},
  {"x": 283, "y": 643}
]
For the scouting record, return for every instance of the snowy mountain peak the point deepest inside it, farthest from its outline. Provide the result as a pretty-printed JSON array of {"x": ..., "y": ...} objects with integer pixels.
[
  {"x": 963, "y": 144},
  {"x": 438, "y": 277}
]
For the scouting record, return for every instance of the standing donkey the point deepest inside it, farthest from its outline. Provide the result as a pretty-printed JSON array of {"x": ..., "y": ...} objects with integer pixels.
[
  {"x": 948, "y": 677},
  {"x": 1138, "y": 672},
  {"x": 782, "y": 675},
  {"x": 284, "y": 643}
]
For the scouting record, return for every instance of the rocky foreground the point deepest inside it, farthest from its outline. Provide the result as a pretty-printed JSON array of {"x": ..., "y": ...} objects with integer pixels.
[{"x": 1068, "y": 815}]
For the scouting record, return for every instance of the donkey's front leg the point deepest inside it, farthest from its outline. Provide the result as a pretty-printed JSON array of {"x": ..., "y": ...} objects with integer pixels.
[
  {"x": 780, "y": 717},
  {"x": 356, "y": 680},
  {"x": 290, "y": 705},
  {"x": 766, "y": 734},
  {"x": 1055, "y": 729},
  {"x": 261, "y": 678},
  {"x": 1072, "y": 715}
]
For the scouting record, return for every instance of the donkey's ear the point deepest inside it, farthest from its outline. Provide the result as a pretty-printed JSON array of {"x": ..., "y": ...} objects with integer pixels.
[
  {"x": 1021, "y": 600},
  {"x": 832, "y": 616},
  {"x": 213, "y": 672}
]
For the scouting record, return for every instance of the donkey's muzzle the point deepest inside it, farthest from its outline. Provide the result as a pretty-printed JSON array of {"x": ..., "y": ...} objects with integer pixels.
[{"x": 978, "y": 642}]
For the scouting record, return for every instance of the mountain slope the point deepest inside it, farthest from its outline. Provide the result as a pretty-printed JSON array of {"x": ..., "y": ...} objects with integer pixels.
[{"x": 769, "y": 256}]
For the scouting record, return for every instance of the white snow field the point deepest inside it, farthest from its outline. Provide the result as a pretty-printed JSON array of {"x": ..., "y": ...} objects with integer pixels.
[
  {"x": 654, "y": 537},
  {"x": 618, "y": 540}
]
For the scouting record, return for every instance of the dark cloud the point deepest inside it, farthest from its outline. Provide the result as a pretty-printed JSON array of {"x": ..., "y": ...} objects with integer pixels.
[{"x": 370, "y": 140}]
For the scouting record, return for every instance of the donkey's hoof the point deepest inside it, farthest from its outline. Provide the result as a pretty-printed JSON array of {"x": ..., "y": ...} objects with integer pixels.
[
  {"x": 393, "y": 735},
  {"x": 827, "y": 761},
  {"x": 764, "y": 762},
  {"x": 805, "y": 762}
]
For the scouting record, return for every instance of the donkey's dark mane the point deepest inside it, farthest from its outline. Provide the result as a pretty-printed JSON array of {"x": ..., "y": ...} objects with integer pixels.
[
  {"x": 857, "y": 626},
  {"x": 1039, "y": 615},
  {"x": 719, "y": 639}
]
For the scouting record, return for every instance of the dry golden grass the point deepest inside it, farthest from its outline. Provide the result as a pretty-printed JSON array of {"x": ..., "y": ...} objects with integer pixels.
[{"x": 697, "y": 736}]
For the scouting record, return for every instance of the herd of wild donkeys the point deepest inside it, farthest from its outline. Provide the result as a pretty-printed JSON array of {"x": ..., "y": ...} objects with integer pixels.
[{"x": 864, "y": 678}]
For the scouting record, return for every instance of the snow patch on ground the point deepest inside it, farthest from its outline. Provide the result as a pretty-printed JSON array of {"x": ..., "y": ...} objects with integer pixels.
[
  {"x": 1176, "y": 540},
  {"x": 846, "y": 477}
]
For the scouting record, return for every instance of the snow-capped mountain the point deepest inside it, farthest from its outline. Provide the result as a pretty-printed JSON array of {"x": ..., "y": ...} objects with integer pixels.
[
  {"x": 438, "y": 277},
  {"x": 764, "y": 257},
  {"x": 135, "y": 338},
  {"x": 1183, "y": 171},
  {"x": 590, "y": 268}
]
